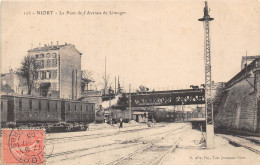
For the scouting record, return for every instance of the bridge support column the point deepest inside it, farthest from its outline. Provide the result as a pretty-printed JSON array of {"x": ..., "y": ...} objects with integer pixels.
[{"x": 210, "y": 136}]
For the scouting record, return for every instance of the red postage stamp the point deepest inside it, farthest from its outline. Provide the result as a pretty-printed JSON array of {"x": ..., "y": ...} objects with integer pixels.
[{"x": 24, "y": 146}]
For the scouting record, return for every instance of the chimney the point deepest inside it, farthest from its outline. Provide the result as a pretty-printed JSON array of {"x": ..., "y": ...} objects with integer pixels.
[
  {"x": 51, "y": 44},
  {"x": 57, "y": 43},
  {"x": 45, "y": 45},
  {"x": 65, "y": 43}
]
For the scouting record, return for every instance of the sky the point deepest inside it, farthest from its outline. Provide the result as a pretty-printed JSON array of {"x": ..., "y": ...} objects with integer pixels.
[{"x": 158, "y": 44}]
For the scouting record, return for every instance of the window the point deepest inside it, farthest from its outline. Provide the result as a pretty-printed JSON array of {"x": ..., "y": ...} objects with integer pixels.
[
  {"x": 54, "y": 74},
  {"x": 49, "y": 63},
  {"x": 48, "y": 106},
  {"x": 42, "y": 64},
  {"x": 48, "y": 74},
  {"x": 30, "y": 104},
  {"x": 37, "y": 56},
  {"x": 20, "y": 104},
  {"x": 54, "y": 62},
  {"x": 40, "y": 105},
  {"x": 48, "y": 55},
  {"x": 36, "y": 75},
  {"x": 42, "y": 55},
  {"x": 40, "y": 75},
  {"x": 54, "y": 55},
  {"x": 2, "y": 106},
  {"x": 43, "y": 75}
]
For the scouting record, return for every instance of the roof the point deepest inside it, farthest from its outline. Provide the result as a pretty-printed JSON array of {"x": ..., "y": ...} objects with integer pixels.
[
  {"x": 54, "y": 47},
  {"x": 47, "y": 47},
  {"x": 43, "y": 98}
]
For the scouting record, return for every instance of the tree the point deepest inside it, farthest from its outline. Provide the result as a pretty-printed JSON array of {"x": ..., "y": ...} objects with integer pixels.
[
  {"x": 142, "y": 88},
  {"x": 86, "y": 78},
  {"x": 122, "y": 101},
  {"x": 29, "y": 71},
  {"x": 6, "y": 88}
]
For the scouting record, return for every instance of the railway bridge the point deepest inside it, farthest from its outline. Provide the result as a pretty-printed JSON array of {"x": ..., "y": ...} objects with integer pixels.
[{"x": 163, "y": 98}]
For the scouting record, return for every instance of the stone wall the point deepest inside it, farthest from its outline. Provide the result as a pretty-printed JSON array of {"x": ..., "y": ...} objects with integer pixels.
[{"x": 240, "y": 103}]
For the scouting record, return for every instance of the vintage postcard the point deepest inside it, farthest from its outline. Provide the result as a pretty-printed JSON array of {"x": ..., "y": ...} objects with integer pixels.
[{"x": 138, "y": 82}]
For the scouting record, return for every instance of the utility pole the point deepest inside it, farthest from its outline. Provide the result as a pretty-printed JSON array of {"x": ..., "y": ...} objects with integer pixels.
[
  {"x": 105, "y": 74},
  {"x": 182, "y": 109},
  {"x": 208, "y": 82},
  {"x": 76, "y": 84},
  {"x": 118, "y": 85},
  {"x": 115, "y": 85},
  {"x": 130, "y": 108},
  {"x": 72, "y": 92},
  {"x": 110, "y": 113}
]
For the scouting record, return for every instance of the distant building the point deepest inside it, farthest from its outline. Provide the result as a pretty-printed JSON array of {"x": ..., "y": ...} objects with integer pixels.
[
  {"x": 248, "y": 60},
  {"x": 94, "y": 97},
  {"x": 13, "y": 82},
  {"x": 60, "y": 71}
]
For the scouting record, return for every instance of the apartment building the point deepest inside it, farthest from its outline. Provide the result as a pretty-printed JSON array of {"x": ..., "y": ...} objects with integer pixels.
[{"x": 59, "y": 73}]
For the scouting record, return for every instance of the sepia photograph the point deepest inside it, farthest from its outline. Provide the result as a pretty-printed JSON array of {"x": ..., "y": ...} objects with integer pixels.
[{"x": 160, "y": 82}]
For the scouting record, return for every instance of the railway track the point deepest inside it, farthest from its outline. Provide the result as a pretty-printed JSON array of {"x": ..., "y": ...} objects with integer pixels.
[
  {"x": 87, "y": 151},
  {"x": 92, "y": 136},
  {"x": 154, "y": 152},
  {"x": 241, "y": 144}
]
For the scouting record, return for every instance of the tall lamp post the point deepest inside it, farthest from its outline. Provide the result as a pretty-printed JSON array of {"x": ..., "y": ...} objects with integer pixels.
[{"x": 208, "y": 83}]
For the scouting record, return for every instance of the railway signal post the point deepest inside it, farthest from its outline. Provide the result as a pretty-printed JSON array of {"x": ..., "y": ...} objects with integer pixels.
[{"x": 208, "y": 87}]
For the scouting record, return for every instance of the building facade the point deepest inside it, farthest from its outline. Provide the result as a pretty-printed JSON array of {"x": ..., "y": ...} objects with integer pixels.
[
  {"x": 13, "y": 82},
  {"x": 59, "y": 73},
  {"x": 94, "y": 97}
]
